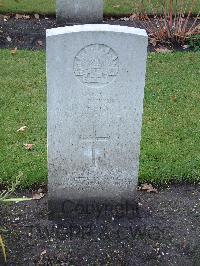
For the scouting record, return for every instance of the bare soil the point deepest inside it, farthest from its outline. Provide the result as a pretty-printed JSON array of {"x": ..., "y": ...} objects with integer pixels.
[
  {"x": 31, "y": 33},
  {"x": 165, "y": 230}
]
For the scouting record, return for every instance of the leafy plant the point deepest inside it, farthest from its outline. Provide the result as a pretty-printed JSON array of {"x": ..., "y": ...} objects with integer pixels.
[
  {"x": 172, "y": 23},
  {"x": 194, "y": 42}
]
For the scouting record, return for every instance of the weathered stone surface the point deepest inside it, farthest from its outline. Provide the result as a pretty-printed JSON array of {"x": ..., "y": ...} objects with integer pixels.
[
  {"x": 79, "y": 11},
  {"x": 95, "y": 80}
]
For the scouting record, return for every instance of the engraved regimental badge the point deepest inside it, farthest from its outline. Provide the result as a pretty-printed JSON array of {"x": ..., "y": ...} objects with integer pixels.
[{"x": 96, "y": 65}]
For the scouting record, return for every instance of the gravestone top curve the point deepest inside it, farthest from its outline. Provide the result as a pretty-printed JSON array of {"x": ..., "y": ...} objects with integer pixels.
[{"x": 95, "y": 27}]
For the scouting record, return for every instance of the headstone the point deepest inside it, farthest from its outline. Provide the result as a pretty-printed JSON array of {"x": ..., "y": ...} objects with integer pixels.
[
  {"x": 95, "y": 80},
  {"x": 79, "y": 11}
]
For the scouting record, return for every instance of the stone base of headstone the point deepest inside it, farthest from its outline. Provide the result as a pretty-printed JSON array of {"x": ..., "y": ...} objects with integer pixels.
[
  {"x": 92, "y": 209},
  {"x": 79, "y": 11}
]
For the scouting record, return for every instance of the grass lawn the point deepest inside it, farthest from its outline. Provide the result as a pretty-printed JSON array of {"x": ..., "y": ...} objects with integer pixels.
[
  {"x": 170, "y": 149},
  {"x": 111, "y": 7}
]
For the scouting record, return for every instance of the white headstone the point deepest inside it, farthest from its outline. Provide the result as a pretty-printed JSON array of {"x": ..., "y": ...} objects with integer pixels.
[
  {"x": 95, "y": 80},
  {"x": 79, "y": 11}
]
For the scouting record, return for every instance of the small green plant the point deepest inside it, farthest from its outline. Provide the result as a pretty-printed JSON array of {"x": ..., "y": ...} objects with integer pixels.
[
  {"x": 6, "y": 193},
  {"x": 194, "y": 43},
  {"x": 3, "y": 196},
  {"x": 2, "y": 246}
]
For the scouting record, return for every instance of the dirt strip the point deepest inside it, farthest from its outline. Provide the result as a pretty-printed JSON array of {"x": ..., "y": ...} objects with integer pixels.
[
  {"x": 164, "y": 230},
  {"x": 31, "y": 33}
]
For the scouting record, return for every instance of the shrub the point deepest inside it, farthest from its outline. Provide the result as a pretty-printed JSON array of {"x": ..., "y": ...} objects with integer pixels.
[
  {"x": 194, "y": 42},
  {"x": 171, "y": 23}
]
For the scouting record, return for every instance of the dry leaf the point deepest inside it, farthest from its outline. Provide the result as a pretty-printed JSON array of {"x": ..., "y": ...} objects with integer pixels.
[
  {"x": 22, "y": 129},
  {"x": 124, "y": 19},
  {"x": 43, "y": 253},
  {"x": 133, "y": 16},
  {"x": 153, "y": 41},
  {"x": 116, "y": 6},
  {"x": 40, "y": 190},
  {"x": 28, "y": 146},
  {"x": 174, "y": 99},
  {"x": 37, "y": 16},
  {"x": 8, "y": 39},
  {"x": 38, "y": 196},
  {"x": 148, "y": 188},
  {"x": 163, "y": 50},
  {"x": 40, "y": 43},
  {"x": 185, "y": 46},
  {"x": 26, "y": 17},
  {"x": 13, "y": 51},
  {"x": 18, "y": 16},
  {"x": 5, "y": 18}
]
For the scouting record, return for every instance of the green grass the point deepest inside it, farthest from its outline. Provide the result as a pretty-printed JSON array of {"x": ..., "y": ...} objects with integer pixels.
[
  {"x": 170, "y": 150},
  {"x": 111, "y": 7},
  {"x": 22, "y": 102},
  {"x": 171, "y": 126}
]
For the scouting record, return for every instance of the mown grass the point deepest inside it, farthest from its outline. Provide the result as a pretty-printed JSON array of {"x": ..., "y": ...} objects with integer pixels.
[
  {"x": 170, "y": 150},
  {"x": 111, "y": 7},
  {"x": 171, "y": 126},
  {"x": 22, "y": 103}
]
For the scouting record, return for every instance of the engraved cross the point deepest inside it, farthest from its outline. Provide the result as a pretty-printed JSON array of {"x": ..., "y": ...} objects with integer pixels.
[{"x": 95, "y": 138}]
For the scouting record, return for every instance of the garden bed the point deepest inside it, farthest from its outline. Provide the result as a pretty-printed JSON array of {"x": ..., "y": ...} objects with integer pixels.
[
  {"x": 164, "y": 230},
  {"x": 30, "y": 33}
]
